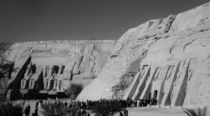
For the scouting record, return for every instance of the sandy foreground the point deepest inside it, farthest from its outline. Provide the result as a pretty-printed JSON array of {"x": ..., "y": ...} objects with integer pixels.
[
  {"x": 133, "y": 111},
  {"x": 155, "y": 111}
]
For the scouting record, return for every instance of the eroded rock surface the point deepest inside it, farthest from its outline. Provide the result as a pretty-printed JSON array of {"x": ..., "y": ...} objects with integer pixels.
[{"x": 173, "y": 54}]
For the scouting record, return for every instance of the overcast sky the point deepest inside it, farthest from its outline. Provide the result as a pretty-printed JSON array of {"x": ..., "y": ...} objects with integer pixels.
[{"x": 26, "y": 20}]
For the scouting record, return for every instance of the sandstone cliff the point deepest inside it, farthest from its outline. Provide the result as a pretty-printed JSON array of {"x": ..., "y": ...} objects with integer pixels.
[
  {"x": 53, "y": 65},
  {"x": 172, "y": 57}
]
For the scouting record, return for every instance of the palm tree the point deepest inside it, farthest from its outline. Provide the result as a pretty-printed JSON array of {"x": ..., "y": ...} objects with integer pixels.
[{"x": 195, "y": 112}]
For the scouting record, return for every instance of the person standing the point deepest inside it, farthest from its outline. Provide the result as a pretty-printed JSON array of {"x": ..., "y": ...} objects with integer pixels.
[{"x": 27, "y": 110}]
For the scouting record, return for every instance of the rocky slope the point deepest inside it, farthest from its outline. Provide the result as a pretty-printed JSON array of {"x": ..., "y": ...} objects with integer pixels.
[{"x": 181, "y": 41}]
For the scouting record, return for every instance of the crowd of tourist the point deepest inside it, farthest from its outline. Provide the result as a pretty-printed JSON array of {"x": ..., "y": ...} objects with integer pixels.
[
  {"x": 28, "y": 108},
  {"x": 75, "y": 108}
]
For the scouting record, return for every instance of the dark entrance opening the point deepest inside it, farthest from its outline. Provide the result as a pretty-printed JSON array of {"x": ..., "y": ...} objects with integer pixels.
[
  {"x": 155, "y": 94},
  {"x": 154, "y": 99}
]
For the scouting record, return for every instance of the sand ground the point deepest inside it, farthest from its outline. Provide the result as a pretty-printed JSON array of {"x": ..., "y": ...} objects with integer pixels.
[
  {"x": 134, "y": 111},
  {"x": 155, "y": 111}
]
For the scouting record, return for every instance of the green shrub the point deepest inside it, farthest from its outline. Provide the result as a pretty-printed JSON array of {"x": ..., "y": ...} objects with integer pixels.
[
  {"x": 55, "y": 110},
  {"x": 11, "y": 110},
  {"x": 74, "y": 90},
  {"x": 104, "y": 108},
  {"x": 195, "y": 112}
]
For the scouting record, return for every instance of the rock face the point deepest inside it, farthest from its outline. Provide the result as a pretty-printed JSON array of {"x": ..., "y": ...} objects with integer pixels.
[
  {"x": 50, "y": 66},
  {"x": 172, "y": 56}
]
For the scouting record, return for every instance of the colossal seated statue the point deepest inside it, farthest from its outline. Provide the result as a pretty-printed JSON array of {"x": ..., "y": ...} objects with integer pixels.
[
  {"x": 58, "y": 83},
  {"x": 59, "y": 86},
  {"x": 28, "y": 70},
  {"x": 61, "y": 69},
  {"x": 25, "y": 81},
  {"x": 47, "y": 76},
  {"x": 45, "y": 80},
  {"x": 55, "y": 83},
  {"x": 49, "y": 82},
  {"x": 66, "y": 79},
  {"x": 31, "y": 83},
  {"x": 35, "y": 76}
]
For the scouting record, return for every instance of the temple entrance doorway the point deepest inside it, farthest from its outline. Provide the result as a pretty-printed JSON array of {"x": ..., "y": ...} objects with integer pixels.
[
  {"x": 155, "y": 94},
  {"x": 154, "y": 98}
]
